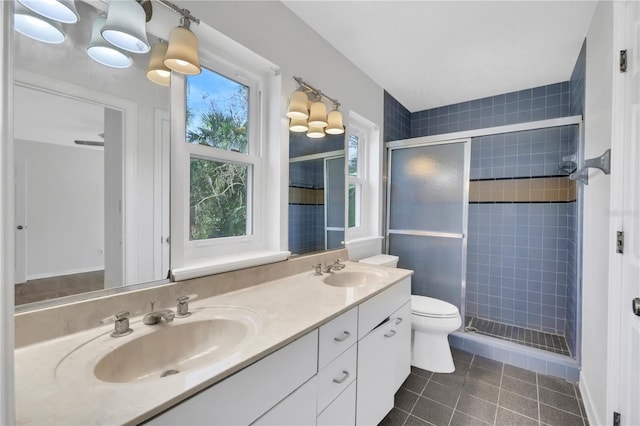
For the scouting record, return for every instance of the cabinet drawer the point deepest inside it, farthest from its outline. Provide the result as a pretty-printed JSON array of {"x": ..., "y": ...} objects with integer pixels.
[
  {"x": 337, "y": 336},
  {"x": 342, "y": 411},
  {"x": 336, "y": 376},
  {"x": 298, "y": 409},
  {"x": 375, "y": 310}
]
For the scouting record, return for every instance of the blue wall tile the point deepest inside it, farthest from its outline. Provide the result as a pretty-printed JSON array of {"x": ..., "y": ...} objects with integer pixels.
[{"x": 398, "y": 121}]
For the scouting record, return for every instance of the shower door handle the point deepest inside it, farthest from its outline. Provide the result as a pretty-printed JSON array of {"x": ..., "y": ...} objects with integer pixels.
[{"x": 635, "y": 305}]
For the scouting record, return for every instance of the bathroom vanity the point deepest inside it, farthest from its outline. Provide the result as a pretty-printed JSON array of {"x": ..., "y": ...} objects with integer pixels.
[{"x": 305, "y": 349}]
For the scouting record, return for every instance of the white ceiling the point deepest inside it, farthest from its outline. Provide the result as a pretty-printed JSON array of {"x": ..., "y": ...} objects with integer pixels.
[{"x": 433, "y": 53}]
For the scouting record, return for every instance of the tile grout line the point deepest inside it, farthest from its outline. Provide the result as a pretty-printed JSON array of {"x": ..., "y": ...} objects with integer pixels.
[
  {"x": 538, "y": 397},
  {"x": 495, "y": 415}
]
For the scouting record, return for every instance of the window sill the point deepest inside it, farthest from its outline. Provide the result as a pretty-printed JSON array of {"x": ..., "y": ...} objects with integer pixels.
[{"x": 197, "y": 268}]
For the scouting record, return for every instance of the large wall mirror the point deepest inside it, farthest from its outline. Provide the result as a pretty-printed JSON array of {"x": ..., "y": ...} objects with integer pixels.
[
  {"x": 92, "y": 169},
  {"x": 316, "y": 193}
]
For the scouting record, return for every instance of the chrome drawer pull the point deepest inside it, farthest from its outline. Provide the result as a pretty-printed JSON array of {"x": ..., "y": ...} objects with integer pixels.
[
  {"x": 390, "y": 333},
  {"x": 345, "y": 376},
  {"x": 345, "y": 336},
  {"x": 398, "y": 320}
]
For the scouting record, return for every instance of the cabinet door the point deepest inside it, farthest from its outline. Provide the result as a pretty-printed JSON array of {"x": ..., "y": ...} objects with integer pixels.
[
  {"x": 298, "y": 409},
  {"x": 401, "y": 323},
  {"x": 375, "y": 375},
  {"x": 342, "y": 411}
]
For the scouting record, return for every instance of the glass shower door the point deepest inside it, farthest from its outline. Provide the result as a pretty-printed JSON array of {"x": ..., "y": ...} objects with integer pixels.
[{"x": 427, "y": 216}]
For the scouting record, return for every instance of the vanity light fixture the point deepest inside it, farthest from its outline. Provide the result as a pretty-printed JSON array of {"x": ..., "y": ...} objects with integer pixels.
[
  {"x": 37, "y": 27},
  {"x": 182, "y": 53},
  {"x": 125, "y": 27},
  {"x": 58, "y": 10},
  {"x": 105, "y": 53},
  {"x": 157, "y": 71},
  {"x": 313, "y": 119}
]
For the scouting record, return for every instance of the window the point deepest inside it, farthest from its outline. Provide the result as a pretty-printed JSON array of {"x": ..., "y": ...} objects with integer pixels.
[
  {"x": 217, "y": 117},
  {"x": 355, "y": 152},
  {"x": 225, "y": 169}
]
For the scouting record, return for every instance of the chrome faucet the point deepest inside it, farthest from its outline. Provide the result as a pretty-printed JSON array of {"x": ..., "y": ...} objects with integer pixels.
[
  {"x": 335, "y": 266},
  {"x": 121, "y": 320},
  {"x": 157, "y": 316},
  {"x": 182, "y": 309}
]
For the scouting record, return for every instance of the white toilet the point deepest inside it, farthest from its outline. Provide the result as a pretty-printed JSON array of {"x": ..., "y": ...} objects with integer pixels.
[{"x": 431, "y": 322}]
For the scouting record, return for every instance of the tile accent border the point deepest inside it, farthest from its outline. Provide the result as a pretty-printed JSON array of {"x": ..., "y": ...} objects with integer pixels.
[{"x": 522, "y": 190}]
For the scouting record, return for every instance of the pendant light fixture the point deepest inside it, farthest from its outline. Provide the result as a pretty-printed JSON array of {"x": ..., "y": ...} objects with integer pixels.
[
  {"x": 182, "y": 53},
  {"x": 157, "y": 71},
  {"x": 318, "y": 113},
  {"x": 313, "y": 118},
  {"x": 105, "y": 53},
  {"x": 298, "y": 106},
  {"x": 58, "y": 10},
  {"x": 334, "y": 119},
  {"x": 37, "y": 27},
  {"x": 125, "y": 27},
  {"x": 298, "y": 125}
]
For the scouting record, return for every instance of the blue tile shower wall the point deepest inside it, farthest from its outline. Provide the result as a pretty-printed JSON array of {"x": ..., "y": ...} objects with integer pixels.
[
  {"x": 539, "y": 103},
  {"x": 397, "y": 119},
  {"x": 517, "y": 263},
  {"x": 530, "y": 153},
  {"x": 306, "y": 228}
]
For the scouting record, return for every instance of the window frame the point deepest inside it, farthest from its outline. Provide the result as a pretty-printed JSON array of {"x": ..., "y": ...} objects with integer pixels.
[{"x": 359, "y": 181}]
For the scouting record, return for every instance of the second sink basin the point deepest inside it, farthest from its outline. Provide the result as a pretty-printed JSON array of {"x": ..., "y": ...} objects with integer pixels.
[{"x": 353, "y": 278}]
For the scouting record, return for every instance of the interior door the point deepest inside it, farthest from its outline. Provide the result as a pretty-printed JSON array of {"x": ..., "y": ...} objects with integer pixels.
[
  {"x": 427, "y": 216},
  {"x": 20, "y": 273},
  {"x": 630, "y": 336}
]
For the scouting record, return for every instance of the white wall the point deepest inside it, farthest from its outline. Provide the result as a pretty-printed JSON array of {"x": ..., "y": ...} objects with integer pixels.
[
  {"x": 65, "y": 208},
  {"x": 597, "y": 238}
]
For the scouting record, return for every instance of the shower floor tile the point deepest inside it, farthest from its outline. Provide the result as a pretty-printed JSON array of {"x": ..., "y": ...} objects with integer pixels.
[{"x": 524, "y": 336}]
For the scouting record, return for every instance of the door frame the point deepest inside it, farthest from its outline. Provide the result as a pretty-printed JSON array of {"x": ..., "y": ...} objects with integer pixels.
[{"x": 617, "y": 305}]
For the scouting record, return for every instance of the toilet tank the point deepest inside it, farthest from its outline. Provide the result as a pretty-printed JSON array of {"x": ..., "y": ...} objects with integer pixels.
[{"x": 381, "y": 260}]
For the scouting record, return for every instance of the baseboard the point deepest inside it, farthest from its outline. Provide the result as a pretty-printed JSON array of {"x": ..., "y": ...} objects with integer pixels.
[{"x": 592, "y": 415}]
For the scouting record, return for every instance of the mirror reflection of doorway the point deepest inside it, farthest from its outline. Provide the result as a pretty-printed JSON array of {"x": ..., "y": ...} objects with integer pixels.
[{"x": 68, "y": 156}]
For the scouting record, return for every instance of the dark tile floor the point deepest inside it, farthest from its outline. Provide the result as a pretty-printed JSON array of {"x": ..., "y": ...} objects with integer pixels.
[
  {"x": 485, "y": 392},
  {"x": 53, "y": 287},
  {"x": 524, "y": 336}
]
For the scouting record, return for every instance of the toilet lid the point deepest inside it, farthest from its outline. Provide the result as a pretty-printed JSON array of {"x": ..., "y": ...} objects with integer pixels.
[{"x": 428, "y": 306}]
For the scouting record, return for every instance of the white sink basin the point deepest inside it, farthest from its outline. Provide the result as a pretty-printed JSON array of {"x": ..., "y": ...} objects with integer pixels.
[
  {"x": 152, "y": 352},
  {"x": 354, "y": 278}
]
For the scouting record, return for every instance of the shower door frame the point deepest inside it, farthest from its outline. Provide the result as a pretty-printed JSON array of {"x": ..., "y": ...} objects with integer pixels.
[
  {"x": 407, "y": 144},
  {"x": 510, "y": 128}
]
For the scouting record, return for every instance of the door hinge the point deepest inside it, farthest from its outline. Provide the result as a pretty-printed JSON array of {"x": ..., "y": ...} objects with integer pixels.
[
  {"x": 623, "y": 60},
  {"x": 620, "y": 242},
  {"x": 616, "y": 418}
]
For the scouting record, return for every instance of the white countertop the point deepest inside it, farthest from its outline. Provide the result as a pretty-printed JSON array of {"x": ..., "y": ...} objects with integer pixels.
[{"x": 48, "y": 394}]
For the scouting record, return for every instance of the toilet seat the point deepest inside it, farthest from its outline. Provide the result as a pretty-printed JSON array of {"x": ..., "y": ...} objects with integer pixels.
[{"x": 432, "y": 308}]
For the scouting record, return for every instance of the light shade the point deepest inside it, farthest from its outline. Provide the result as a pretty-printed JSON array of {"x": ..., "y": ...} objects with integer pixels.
[
  {"x": 298, "y": 106},
  {"x": 102, "y": 52},
  {"x": 157, "y": 71},
  {"x": 298, "y": 126},
  {"x": 37, "y": 27},
  {"x": 182, "y": 53},
  {"x": 126, "y": 26},
  {"x": 315, "y": 132},
  {"x": 58, "y": 10},
  {"x": 318, "y": 115},
  {"x": 335, "y": 126}
]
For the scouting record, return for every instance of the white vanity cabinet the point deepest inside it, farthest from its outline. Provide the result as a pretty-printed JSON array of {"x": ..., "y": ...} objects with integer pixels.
[
  {"x": 345, "y": 372},
  {"x": 384, "y": 351}
]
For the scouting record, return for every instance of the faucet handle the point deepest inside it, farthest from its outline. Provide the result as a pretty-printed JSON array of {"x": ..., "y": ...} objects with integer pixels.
[
  {"x": 182, "y": 310},
  {"x": 121, "y": 320},
  {"x": 318, "y": 269}
]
